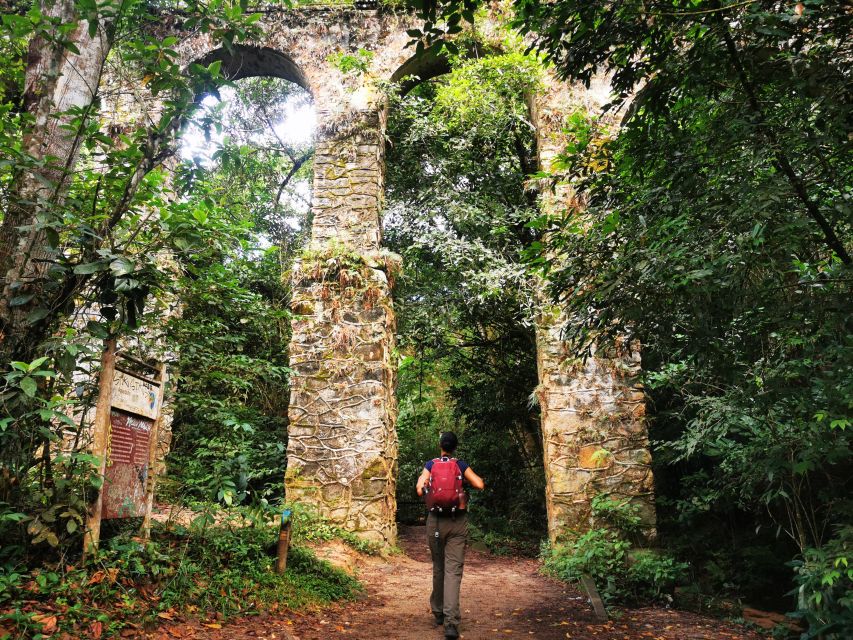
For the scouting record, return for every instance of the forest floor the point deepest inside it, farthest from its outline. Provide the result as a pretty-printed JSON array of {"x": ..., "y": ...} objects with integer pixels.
[{"x": 502, "y": 597}]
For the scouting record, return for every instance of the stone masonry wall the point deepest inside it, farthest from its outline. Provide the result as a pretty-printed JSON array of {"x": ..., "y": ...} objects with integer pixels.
[
  {"x": 342, "y": 446},
  {"x": 595, "y": 437},
  {"x": 594, "y": 434},
  {"x": 342, "y": 440}
]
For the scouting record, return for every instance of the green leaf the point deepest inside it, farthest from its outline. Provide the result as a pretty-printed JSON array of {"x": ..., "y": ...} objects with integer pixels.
[
  {"x": 37, "y": 314},
  {"x": 18, "y": 301},
  {"x": 122, "y": 266},
  {"x": 35, "y": 364},
  {"x": 28, "y": 386},
  {"x": 90, "y": 267}
]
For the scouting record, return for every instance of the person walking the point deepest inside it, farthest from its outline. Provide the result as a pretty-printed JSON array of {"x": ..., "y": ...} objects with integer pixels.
[{"x": 442, "y": 481}]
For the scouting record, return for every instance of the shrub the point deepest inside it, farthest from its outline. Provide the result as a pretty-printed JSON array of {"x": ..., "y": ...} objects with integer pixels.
[
  {"x": 825, "y": 588},
  {"x": 222, "y": 570},
  {"x": 652, "y": 575},
  {"x": 620, "y": 574},
  {"x": 599, "y": 553},
  {"x": 310, "y": 526}
]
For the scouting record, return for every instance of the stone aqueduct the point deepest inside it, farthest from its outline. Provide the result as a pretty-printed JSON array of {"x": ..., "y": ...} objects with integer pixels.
[{"x": 342, "y": 446}]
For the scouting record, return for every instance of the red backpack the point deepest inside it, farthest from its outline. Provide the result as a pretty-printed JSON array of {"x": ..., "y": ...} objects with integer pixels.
[{"x": 445, "y": 492}]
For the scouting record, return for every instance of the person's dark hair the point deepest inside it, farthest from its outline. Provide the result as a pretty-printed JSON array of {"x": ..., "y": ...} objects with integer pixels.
[{"x": 448, "y": 441}]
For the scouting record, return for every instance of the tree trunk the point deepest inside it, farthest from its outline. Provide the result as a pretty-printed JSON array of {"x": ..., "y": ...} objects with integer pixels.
[{"x": 59, "y": 83}]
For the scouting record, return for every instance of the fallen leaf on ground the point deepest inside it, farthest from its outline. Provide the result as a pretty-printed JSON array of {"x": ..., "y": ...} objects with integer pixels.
[
  {"x": 96, "y": 629},
  {"x": 47, "y": 622}
]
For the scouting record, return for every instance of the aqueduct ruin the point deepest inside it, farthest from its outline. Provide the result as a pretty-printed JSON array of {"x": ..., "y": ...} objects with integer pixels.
[{"x": 342, "y": 446}]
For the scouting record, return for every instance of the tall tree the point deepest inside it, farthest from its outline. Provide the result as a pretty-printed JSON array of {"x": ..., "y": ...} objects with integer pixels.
[
  {"x": 64, "y": 63},
  {"x": 50, "y": 244}
]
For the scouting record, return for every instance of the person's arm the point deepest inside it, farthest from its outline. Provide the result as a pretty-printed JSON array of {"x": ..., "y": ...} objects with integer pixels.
[
  {"x": 474, "y": 480},
  {"x": 422, "y": 480}
]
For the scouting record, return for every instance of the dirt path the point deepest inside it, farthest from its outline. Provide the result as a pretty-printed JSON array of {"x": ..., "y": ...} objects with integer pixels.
[{"x": 501, "y": 598}]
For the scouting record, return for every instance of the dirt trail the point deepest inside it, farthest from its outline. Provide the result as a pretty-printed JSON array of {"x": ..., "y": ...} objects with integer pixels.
[{"x": 501, "y": 598}]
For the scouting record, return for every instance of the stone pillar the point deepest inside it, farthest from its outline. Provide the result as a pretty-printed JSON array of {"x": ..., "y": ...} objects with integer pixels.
[
  {"x": 594, "y": 433},
  {"x": 342, "y": 442}
]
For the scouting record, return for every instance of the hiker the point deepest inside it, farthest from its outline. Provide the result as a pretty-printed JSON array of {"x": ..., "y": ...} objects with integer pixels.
[{"x": 442, "y": 481}]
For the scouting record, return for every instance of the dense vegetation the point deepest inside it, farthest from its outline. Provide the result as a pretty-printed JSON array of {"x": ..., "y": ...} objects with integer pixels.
[
  {"x": 458, "y": 212},
  {"x": 251, "y": 184},
  {"x": 714, "y": 226}
]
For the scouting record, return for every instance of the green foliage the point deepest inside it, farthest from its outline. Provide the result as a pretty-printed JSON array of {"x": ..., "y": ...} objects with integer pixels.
[
  {"x": 825, "y": 587},
  {"x": 352, "y": 63},
  {"x": 231, "y": 398},
  {"x": 97, "y": 246},
  {"x": 617, "y": 514},
  {"x": 224, "y": 570},
  {"x": 699, "y": 242},
  {"x": 621, "y": 573},
  {"x": 653, "y": 575},
  {"x": 243, "y": 191},
  {"x": 458, "y": 213},
  {"x": 599, "y": 553},
  {"x": 310, "y": 527},
  {"x": 717, "y": 231}
]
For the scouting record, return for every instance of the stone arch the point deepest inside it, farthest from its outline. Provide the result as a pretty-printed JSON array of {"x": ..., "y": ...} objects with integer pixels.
[
  {"x": 593, "y": 427},
  {"x": 418, "y": 69},
  {"x": 427, "y": 66},
  {"x": 246, "y": 61},
  {"x": 342, "y": 439}
]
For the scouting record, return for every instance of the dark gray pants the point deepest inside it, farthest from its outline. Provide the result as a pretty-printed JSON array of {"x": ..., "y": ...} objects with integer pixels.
[{"x": 447, "y": 537}]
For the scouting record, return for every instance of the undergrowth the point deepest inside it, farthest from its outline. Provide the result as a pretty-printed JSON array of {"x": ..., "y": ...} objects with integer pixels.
[
  {"x": 309, "y": 526},
  {"x": 623, "y": 572},
  {"x": 214, "y": 572}
]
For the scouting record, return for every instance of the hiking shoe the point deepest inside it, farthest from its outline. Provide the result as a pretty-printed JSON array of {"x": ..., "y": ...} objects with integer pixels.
[
  {"x": 439, "y": 619},
  {"x": 450, "y": 631}
]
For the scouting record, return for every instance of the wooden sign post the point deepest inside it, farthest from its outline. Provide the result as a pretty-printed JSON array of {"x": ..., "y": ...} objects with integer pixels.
[
  {"x": 152, "y": 457},
  {"x": 595, "y": 599},
  {"x": 100, "y": 442},
  {"x": 126, "y": 429},
  {"x": 283, "y": 542}
]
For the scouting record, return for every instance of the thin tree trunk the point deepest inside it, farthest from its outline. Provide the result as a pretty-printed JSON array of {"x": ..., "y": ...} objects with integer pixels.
[{"x": 58, "y": 81}]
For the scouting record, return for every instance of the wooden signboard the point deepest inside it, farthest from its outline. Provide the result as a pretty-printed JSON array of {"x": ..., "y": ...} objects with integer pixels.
[
  {"x": 127, "y": 418},
  {"x": 134, "y": 406},
  {"x": 135, "y": 394},
  {"x": 127, "y": 465}
]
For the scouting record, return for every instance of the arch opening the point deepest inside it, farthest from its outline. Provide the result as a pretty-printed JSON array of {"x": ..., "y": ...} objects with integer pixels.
[
  {"x": 457, "y": 210},
  {"x": 432, "y": 64},
  {"x": 247, "y": 61},
  {"x": 244, "y": 171}
]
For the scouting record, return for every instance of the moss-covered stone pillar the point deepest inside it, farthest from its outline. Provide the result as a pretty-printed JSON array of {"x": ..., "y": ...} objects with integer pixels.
[
  {"x": 342, "y": 439},
  {"x": 594, "y": 432}
]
